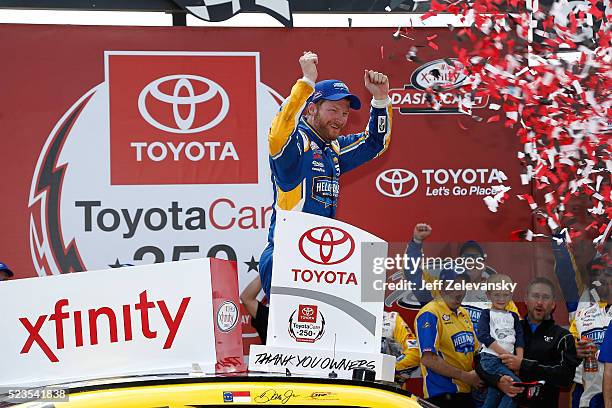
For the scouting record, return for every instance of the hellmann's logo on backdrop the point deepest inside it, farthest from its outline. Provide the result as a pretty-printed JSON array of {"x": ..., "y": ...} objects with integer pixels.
[{"x": 93, "y": 317}]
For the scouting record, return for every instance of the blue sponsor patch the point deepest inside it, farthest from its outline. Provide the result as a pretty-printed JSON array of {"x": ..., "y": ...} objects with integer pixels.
[
  {"x": 325, "y": 190},
  {"x": 463, "y": 342},
  {"x": 474, "y": 315}
]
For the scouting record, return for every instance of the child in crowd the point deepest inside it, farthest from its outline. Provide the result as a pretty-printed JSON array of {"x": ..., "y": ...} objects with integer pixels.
[{"x": 500, "y": 332}]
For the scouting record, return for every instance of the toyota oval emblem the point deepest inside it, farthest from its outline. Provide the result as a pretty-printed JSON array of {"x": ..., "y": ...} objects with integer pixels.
[
  {"x": 326, "y": 245},
  {"x": 308, "y": 311},
  {"x": 397, "y": 183},
  {"x": 192, "y": 101}
]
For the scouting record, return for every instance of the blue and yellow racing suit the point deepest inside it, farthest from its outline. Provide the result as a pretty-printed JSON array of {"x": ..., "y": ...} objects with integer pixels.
[
  {"x": 588, "y": 318},
  {"x": 305, "y": 168}
]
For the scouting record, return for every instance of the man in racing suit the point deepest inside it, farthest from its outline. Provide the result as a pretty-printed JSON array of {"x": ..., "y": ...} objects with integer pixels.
[
  {"x": 589, "y": 306},
  {"x": 399, "y": 341},
  {"x": 308, "y": 155}
]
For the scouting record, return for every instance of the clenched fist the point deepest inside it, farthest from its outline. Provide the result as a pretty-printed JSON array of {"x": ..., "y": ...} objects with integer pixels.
[
  {"x": 309, "y": 62},
  {"x": 377, "y": 83},
  {"x": 421, "y": 232}
]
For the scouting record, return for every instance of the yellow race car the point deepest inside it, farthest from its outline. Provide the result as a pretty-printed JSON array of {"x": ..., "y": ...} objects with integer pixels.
[{"x": 238, "y": 390}]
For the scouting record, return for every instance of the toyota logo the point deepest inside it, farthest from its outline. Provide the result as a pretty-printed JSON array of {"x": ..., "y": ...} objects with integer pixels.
[
  {"x": 183, "y": 125},
  {"x": 396, "y": 183},
  {"x": 326, "y": 245},
  {"x": 308, "y": 311}
]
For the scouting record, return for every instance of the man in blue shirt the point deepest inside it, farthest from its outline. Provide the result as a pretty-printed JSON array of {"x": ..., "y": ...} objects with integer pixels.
[{"x": 605, "y": 356}]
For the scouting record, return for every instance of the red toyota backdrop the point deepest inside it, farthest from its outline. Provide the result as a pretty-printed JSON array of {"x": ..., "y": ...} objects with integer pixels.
[
  {"x": 47, "y": 68},
  {"x": 75, "y": 198}
]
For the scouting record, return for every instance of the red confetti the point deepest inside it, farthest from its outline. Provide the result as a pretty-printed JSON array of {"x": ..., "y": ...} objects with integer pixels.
[
  {"x": 517, "y": 235},
  {"x": 558, "y": 108}
]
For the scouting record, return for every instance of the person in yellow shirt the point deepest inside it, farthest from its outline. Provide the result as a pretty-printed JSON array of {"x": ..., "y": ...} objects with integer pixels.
[
  {"x": 398, "y": 340},
  {"x": 447, "y": 344}
]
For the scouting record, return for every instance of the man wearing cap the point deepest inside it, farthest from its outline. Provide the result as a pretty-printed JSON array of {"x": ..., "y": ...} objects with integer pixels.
[
  {"x": 308, "y": 154},
  {"x": 5, "y": 272}
]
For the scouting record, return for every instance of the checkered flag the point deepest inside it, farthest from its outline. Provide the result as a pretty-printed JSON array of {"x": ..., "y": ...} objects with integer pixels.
[{"x": 221, "y": 10}]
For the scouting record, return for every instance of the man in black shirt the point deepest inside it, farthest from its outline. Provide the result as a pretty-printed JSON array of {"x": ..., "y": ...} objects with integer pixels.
[{"x": 550, "y": 352}]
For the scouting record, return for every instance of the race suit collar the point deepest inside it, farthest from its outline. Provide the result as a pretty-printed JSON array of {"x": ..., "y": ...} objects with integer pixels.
[{"x": 317, "y": 138}]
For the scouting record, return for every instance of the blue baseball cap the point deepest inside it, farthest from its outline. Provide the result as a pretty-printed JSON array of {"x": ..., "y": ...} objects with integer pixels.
[
  {"x": 6, "y": 269},
  {"x": 334, "y": 90}
]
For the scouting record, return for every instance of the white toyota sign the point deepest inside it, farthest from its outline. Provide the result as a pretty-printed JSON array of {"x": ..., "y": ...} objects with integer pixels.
[{"x": 317, "y": 285}]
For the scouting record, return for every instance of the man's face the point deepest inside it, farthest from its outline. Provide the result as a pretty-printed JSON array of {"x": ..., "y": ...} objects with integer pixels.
[
  {"x": 540, "y": 302},
  {"x": 4, "y": 275},
  {"x": 453, "y": 298},
  {"x": 329, "y": 118},
  {"x": 474, "y": 273}
]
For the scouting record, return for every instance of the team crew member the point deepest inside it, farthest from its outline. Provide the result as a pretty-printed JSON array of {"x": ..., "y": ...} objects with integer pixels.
[
  {"x": 308, "y": 155},
  {"x": 399, "y": 341},
  {"x": 590, "y": 311},
  {"x": 475, "y": 301},
  {"x": 549, "y": 355},
  {"x": 447, "y": 342}
]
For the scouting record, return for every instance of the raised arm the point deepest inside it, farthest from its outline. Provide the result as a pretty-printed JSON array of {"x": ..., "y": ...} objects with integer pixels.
[
  {"x": 285, "y": 143},
  {"x": 567, "y": 273},
  {"x": 414, "y": 253},
  {"x": 359, "y": 148}
]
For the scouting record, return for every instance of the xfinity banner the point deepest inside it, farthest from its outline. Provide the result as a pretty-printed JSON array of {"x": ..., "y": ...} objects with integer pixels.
[{"x": 137, "y": 320}]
